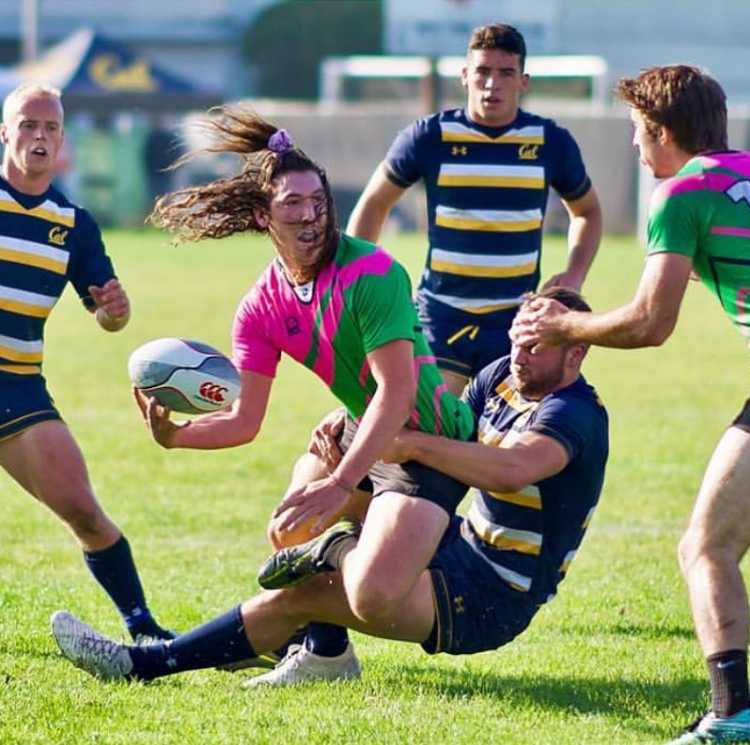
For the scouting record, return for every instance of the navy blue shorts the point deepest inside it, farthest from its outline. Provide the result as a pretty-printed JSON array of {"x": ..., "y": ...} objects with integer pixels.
[
  {"x": 475, "y": 610},
  {"x": 410, "y": 478},
  {"x": 465, "y": 344},
  {"x": 24, "y": 401}
]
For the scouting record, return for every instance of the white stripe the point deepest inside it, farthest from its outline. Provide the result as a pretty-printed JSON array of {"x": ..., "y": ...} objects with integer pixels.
[
  {"x": 471, "y": 169},
  {"x": 569, "y": 557},
  {"x": 35, "y": 249},
  {"x": 29, "y": 298},
  {"x": 48, "y": 205},
  {"x": 20, "y": 345},
  {"x": 463, "y": 302},
  {"x": 489, "y": 215},
  {"x": 462, "y": 129},
  {"x": 439, "y": 254},
  {"x": 483, "y": 525}
]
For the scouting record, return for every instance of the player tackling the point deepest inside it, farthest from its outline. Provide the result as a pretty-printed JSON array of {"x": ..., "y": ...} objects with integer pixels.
[{"x": 699, "y": 221}]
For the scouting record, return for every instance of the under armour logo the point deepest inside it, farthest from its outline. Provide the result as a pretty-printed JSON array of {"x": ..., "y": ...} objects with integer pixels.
[
  {"x": 458, "y": 604},
  {"x": 212, "y": 392},
  {"x": 459, "y": 150},
  {"x": 739, "y": 191}
]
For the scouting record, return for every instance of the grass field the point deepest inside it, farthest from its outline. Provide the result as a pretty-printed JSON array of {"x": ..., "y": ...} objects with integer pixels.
[{"x": 611, "y": 660}]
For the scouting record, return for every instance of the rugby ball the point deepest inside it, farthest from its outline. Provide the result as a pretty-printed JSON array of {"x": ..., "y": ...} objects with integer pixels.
[{"x": 187, "y": 376}]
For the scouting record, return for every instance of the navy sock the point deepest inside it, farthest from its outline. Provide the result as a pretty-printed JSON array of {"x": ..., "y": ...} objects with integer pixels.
[
  {"x": 114, "y": 569},
  {"x": 326, "y": 639},
  {"x": 217, "y": 642}
]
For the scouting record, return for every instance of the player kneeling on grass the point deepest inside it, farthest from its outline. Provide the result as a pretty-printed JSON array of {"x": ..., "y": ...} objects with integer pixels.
[{"x": 539, "y": 467}]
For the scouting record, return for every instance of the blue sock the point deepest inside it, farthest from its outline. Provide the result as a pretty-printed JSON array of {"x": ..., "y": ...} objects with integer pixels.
[
  {"x": 217, "y": 642},
  {"x": 326, "y": 639},
  {"x": 114, "y": 569}
]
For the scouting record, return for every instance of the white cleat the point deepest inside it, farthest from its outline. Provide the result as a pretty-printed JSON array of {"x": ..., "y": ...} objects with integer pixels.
[
  {"x": 302, "y": 666},
  {"x": 88, "y": 649}
]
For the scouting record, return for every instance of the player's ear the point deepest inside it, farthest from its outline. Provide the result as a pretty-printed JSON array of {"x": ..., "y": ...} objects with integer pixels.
[
  {"x": 665, "y": 136},
  {"x": 3, "y": 134},
  {"x": 465, "y": 76},
  {"x": 262, "y": 218}
]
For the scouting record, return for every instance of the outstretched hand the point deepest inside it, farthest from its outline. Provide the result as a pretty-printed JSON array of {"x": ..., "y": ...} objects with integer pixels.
[
  {"x": 319, "y": 500},
  {"x": 157, "y": 420}
]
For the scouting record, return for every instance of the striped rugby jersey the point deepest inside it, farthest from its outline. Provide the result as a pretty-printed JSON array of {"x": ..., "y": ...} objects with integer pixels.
[
  {"x": 45, "y": 241},
  {"x": 530, "y": 537},
  {"x": 358, "y": 303},
  {"x": 704, "y": 212},
  {"x": 486, "y": 192}
]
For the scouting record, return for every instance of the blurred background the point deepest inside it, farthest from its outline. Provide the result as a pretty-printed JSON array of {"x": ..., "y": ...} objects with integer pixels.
[{"x": 344, "y": 76}]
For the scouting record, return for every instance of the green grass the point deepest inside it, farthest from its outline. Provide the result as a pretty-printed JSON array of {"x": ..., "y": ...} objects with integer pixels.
[{"x": 612, "y": 659}]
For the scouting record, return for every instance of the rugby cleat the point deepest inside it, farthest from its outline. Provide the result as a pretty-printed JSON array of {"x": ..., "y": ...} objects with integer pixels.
[
  {"x": 292, "y": 565},
  {"x": 711, "y": 729},
  {"x": 88, "y": 649},
  {"x": 302, "y": 666}
]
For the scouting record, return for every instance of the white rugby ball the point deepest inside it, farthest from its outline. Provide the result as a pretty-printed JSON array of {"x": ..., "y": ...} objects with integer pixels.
[{"x": 187, "y": 376}]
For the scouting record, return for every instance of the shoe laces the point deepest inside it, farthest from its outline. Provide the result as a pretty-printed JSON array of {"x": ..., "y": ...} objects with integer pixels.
[{"x": 100, "y": 645}]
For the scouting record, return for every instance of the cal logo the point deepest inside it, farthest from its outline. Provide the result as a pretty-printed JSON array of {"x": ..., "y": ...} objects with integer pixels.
[
  {"x": 57, "y": 235},
  {"x": 459, "y": 150},
  {"x": 528, "y": 152}
]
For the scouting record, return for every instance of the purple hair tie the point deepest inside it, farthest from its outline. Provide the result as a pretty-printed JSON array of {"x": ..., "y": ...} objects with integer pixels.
[{"x": 280, "y": 141}]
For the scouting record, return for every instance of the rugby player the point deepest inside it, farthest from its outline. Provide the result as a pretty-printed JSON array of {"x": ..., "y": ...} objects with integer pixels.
[
  {"x": 45, "y": 241},
  {"x": 699, "y": 222},
  {"x": 487, "y": 169},
  {"x": 539, "y": 467}
]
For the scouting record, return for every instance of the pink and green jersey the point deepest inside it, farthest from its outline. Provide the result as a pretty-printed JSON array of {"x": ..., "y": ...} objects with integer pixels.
[
  {"x": 359, "y": 302},
  {"x": 704, "y": 212}
]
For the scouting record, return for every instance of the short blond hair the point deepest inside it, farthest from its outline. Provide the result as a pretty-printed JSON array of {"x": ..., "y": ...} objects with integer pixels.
[{"x": 25, "y": 91}]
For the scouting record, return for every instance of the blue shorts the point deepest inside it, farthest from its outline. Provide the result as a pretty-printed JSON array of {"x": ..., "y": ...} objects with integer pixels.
[
  {"x": 475, "y": 610},
  {"x": 24, "y": 401},
  {"x": 464, "y": 343}
]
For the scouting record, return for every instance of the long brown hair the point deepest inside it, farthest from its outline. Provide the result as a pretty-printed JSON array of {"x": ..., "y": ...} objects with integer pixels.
[{"x": 226, "y": 206}]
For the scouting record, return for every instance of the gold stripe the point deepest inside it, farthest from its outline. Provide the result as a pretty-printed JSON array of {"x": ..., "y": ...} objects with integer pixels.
[
  {"x": 524, "y": 500},
  {"x": 507, "y": 544},
  {"x": 502, "y": 140},
  {"x": 471, "y": 329},
  {"x": 42, "y": 262},
  {"x": 39, "y": 212},
  {"x": 16, "y": 356},
  {"x": 511, "y": 181},
  {"x": 516, "y": 226},
  {"x": 24, "y": 309},
  {"x": 481, "y": 310},
  {"x": 471, "y": 270},
  {"x": 21, "y": 369},
  {"x": 20, "y": 419}
]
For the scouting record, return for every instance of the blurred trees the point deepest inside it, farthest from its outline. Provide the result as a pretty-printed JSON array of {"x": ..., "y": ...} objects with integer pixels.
[{"x": 288, "y": 40}]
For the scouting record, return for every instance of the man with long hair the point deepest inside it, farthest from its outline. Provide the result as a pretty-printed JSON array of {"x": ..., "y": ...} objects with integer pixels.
[{"x": 699, "y": 221}]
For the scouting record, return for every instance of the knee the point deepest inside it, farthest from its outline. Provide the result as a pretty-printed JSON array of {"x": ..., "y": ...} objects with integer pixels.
[
  {"x": 688, "y": 549},
  {"x": 372, "y": 597}
]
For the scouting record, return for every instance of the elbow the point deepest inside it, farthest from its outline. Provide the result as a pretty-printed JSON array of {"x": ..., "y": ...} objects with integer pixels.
[
  {"x": 513, "y": 480},
  {"x": 657, "y": 333}
]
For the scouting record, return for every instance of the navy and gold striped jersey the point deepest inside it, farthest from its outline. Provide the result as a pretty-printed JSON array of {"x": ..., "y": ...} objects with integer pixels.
[
  {"x": 45, "y": 241},
  {"x": 486, "y": 192},
  {"x": 530, "y": 537}
]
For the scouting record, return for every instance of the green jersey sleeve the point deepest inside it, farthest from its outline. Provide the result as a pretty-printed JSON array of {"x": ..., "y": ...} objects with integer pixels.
[
  {"x": 384, "y": 308},
  {"x": 674, "y": 225}
]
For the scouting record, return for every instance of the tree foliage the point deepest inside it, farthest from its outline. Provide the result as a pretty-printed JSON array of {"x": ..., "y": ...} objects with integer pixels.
[{"x": 287, "y": 41}]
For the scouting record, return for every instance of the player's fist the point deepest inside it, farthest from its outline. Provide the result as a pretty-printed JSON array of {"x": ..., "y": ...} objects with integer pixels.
[{"x": 112, "y": 305}]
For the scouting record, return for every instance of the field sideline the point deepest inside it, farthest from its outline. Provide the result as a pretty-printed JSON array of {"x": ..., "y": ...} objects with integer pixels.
[{"x": 611, "y": 660}]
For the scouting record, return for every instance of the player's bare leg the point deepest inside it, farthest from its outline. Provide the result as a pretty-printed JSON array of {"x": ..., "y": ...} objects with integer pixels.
[
  {"x": 307, "y": 469},
  {"x": 46, "y": 461},
  {"x": 716, "y": 539},
  {"x": 398, "y": 540}
]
